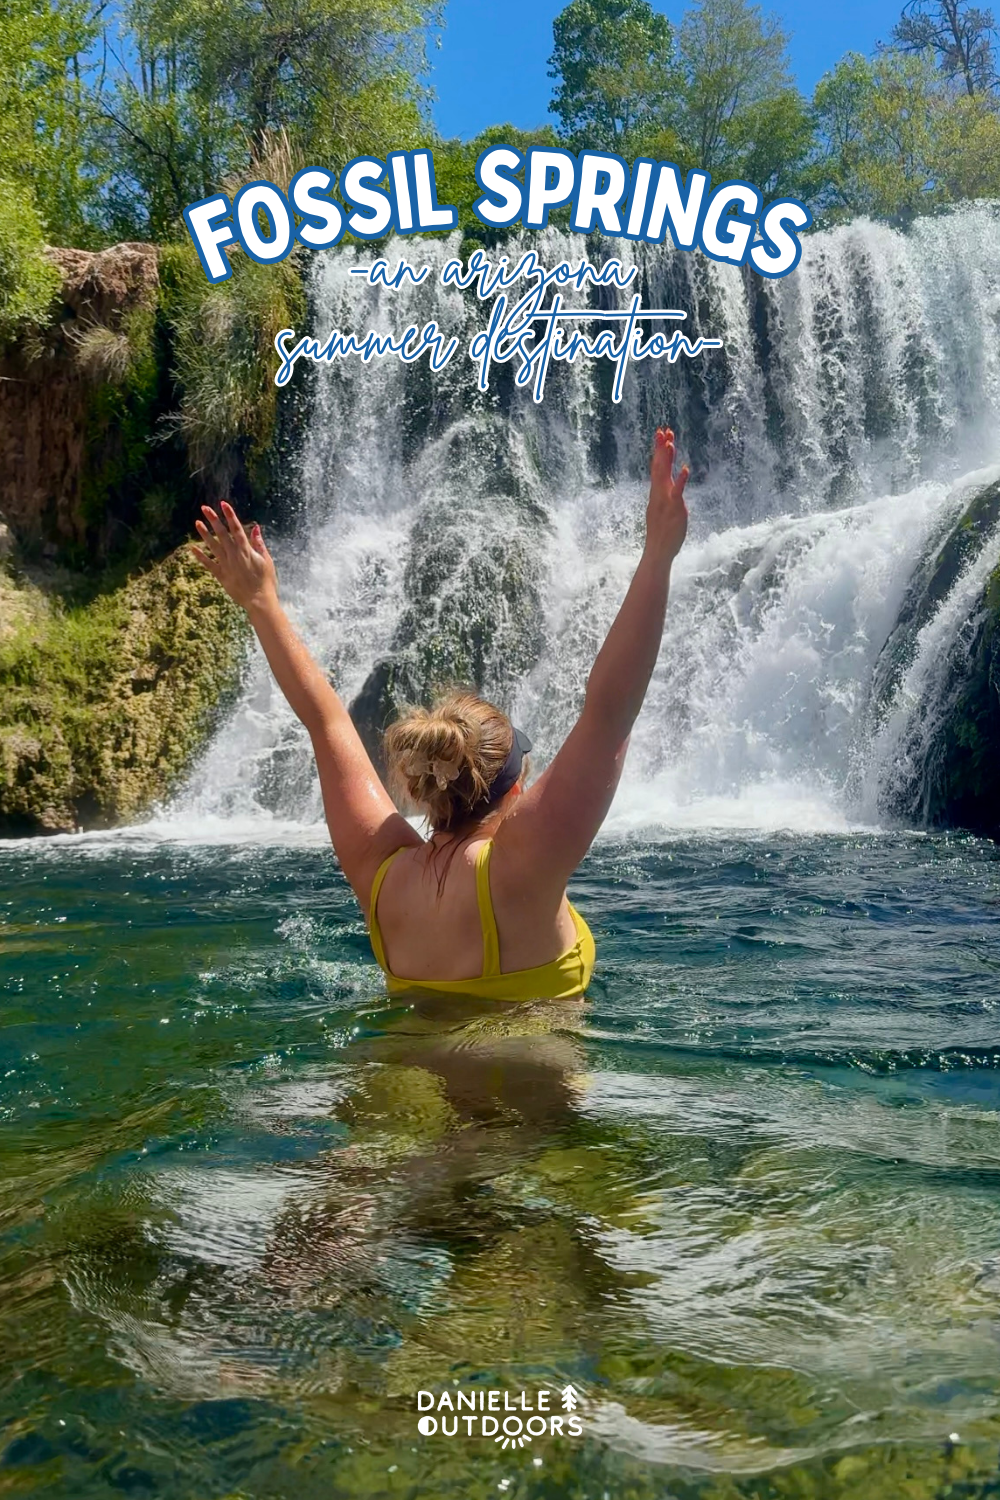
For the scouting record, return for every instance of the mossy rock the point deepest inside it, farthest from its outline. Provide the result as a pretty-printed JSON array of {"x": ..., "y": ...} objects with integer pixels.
[
  {"x": 935, "y": 577},
  {"x": 956, "y": 783},
  {"x": 473, "y": 616},
  {"x": 473, "y": 580},
  {"x": 103, "y": 704},
  {"x": 147, "y": 391},
  {"x": 962, "y": 778}
]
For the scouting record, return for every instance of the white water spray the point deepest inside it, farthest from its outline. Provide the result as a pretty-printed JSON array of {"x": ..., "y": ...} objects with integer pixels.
[{"x": 441, "y": 528}]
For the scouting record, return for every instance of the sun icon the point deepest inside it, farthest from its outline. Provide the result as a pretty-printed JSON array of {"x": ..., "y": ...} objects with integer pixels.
[{"x": 512, "y": 1442}]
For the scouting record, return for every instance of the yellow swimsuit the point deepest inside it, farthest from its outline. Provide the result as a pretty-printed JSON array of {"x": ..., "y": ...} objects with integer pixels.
[{"x": 562, "y": 978}]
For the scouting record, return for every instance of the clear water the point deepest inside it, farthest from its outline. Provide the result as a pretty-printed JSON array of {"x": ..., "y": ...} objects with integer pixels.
[{"x": 746, "y": 1200}]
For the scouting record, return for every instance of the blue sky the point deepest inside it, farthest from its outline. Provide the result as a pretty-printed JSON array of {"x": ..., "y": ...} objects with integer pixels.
[{"x": 491, "y": 65}]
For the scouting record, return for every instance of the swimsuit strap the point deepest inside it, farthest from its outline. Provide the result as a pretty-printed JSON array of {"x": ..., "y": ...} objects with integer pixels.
[
  {"x": 374, "y": 932},
  {"x": 488, "y": 922}
]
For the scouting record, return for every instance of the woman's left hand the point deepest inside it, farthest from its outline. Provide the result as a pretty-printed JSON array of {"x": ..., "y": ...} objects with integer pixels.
[{"x": 241, "y": 563}]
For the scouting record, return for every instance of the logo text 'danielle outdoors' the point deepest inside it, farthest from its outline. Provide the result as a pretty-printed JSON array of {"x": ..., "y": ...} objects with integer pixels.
[{"x": 510, "y": 1418}]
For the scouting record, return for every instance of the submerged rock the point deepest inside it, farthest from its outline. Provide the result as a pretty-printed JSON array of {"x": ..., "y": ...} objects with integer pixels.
[{"x": 103, "y": 704}]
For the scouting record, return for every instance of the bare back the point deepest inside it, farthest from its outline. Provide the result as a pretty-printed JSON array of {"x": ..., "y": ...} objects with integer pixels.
[{"x": 430, "y": 935}]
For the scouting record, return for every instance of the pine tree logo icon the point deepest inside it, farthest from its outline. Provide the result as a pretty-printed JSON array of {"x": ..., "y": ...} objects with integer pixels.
[{"x": 570, "y": 1399}]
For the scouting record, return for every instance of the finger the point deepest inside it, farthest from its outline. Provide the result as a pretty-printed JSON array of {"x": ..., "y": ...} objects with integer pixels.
[
  {"x": 205, "y": 558},
  {"x": 215, "y": 524},
  {"x": 682, "y": 480},
  {"x": 236, "y": 530},
  {"x": 207, "y": 538},
  {"x": 203, "y": 531},
  {"x": 257, "y": 541}
]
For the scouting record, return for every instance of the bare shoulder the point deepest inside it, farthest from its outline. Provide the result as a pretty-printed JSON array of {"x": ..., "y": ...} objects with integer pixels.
[{"x": 547, "y": 835}]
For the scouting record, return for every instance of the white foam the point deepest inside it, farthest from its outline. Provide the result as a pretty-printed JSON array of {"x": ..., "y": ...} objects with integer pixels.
[{"x": 881, "y": 385}]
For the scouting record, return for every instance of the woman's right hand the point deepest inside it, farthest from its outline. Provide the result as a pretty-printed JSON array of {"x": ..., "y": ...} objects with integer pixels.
[
  {"x": 666, "y": 513},
  {"x": 241, "y": 563}
]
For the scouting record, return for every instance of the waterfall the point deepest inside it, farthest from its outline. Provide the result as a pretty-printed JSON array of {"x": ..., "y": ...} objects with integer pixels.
[{"x": 445, "y": 533}]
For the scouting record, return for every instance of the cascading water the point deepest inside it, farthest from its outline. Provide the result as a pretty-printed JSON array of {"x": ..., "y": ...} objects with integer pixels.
[{"x": 447, "y": 534}]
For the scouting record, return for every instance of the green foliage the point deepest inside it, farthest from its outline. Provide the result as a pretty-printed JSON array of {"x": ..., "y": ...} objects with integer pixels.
[
  {"x": 454, "y": 173},
  {"x": 967, "y": 154},
  {"x": 771, "y": 144},
  {"x": 890, "y": 136},
  {"x": 721, "y": 99},
  {"x": 46, "y": 108},
  {"x": 613, "y": 65},
  {"x": 224, "y": 358},
  {"x": 735, "y": 68},
  {"x": 28, "y": 282},
  {"x": 877, "y": 115},
  {"x": 215, "y": 80},
  {"x": 185, "y": 94},
  {"x": 897, "y": 141}
]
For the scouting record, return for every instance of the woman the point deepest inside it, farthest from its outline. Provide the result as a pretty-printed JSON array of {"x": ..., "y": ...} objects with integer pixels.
[{"x": 480, "y": 907}]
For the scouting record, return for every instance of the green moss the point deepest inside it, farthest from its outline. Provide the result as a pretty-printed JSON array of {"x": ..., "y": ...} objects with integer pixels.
[
  {"x": 993, "y": 591},
  {"x": 104, "y": 703},
  {"x": 105, "y": 696}
]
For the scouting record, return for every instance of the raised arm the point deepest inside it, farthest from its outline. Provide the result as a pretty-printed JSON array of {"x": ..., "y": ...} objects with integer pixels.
[
  {"x": 557, "y": 818},
  {"x": 363, "y": 822}
]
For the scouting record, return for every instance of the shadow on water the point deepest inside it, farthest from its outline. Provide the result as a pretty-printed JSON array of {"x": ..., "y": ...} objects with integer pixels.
[{"x": 250, "y": 1207}]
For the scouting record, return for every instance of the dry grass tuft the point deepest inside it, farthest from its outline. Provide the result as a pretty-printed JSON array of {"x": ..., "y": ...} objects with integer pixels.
[
  {"x": 103, "y": 354},
  {"x": 273, "y": 159}
]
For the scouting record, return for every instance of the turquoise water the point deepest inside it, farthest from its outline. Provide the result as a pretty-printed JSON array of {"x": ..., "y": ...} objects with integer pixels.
[{"x": 747, "y": 1200}]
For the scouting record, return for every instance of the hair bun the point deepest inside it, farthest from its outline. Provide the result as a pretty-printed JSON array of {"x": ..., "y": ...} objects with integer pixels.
[{"x": 448, "y": 756}]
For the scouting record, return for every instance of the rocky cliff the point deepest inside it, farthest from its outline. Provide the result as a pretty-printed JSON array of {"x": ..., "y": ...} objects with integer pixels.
[
  {"x": 949, "y": 754},
  {"x": 79, "y": 404},
  {"x": 116, "y": 649}
]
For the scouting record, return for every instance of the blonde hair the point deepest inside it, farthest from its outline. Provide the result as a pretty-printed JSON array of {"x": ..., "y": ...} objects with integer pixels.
[{"x": 445, "y": 759}]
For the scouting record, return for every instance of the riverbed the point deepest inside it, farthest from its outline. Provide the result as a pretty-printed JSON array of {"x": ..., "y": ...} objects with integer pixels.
[{"x": 746, "y": 1200}]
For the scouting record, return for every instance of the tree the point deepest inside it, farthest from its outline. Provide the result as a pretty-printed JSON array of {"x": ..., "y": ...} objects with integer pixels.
[
  {"x": 967, "y": 150},
  {"x": 734, "y": 60},
  {"x": 879, "y": 121},
  {"x": 612, "y": 62},
  {"x": 961, "y": 36},
  {"x": 203, "y": 88},
  {"x": 28, "y": 281},
  {"x": 455, "y": 173},
  {"x": 319, "y": 68},
  {"x": 771, "y": 144},
  {"x": 45, "y": 109}
]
